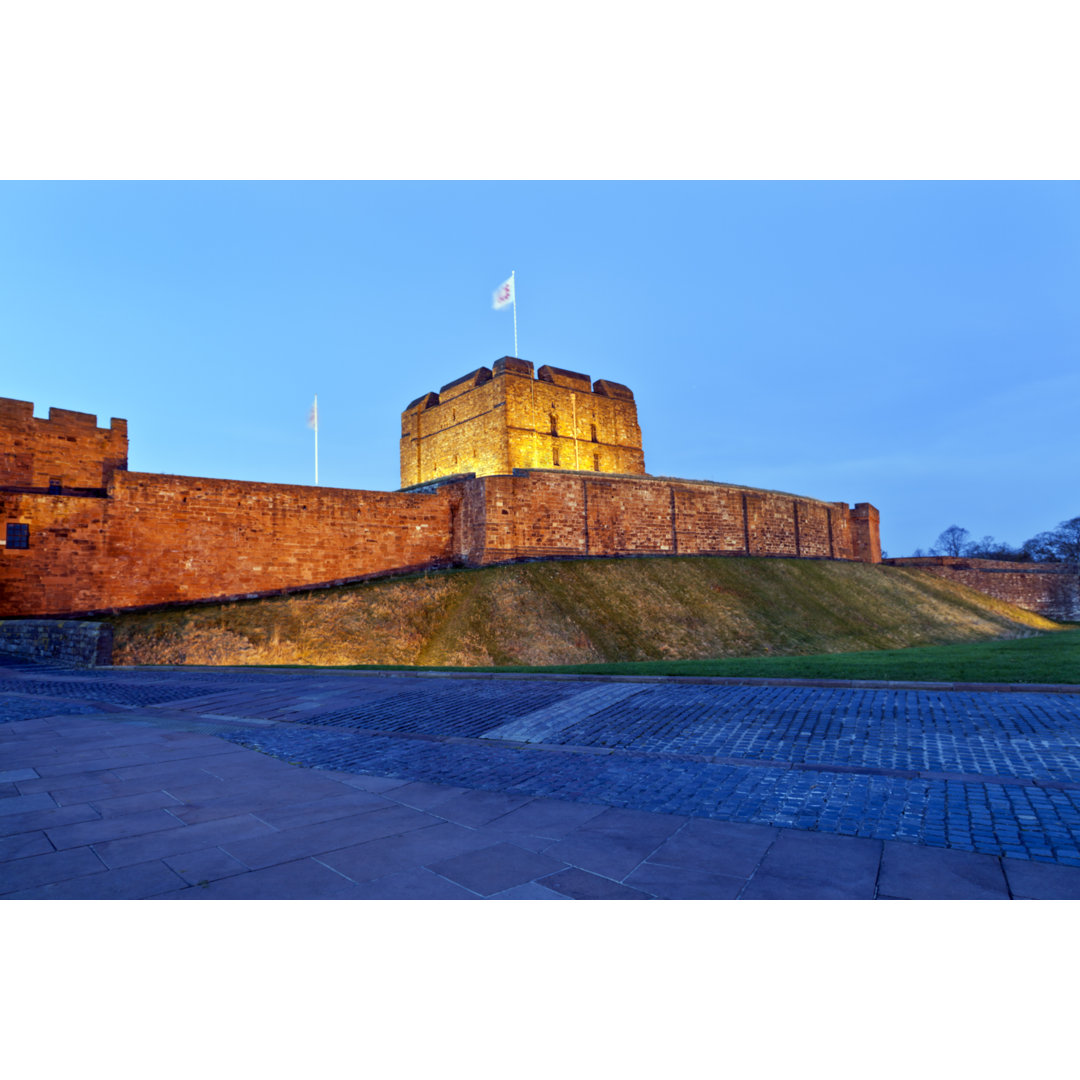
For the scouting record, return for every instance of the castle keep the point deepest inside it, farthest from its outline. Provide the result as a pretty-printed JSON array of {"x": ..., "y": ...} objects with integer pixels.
[
  {"x": 495, "y": 420},
  {"x": 500, "y": 465}
]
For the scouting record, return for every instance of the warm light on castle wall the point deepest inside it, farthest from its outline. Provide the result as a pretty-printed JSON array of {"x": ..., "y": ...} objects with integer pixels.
[{"x": 493, "y": 421}]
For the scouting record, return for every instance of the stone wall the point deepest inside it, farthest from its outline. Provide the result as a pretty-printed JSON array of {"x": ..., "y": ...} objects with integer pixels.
[
  {"x": 168, "y": 539},
  {"x": 68, "y": 451},
  {"x": 495, "y": 420},
  {"x": 546, "y": 513},
  {"x": 154, "y": 540},
  {"x": 81, "y": 535},
  {"x": 1044, "y": 588},
  {"x": 71, "y": 644}
]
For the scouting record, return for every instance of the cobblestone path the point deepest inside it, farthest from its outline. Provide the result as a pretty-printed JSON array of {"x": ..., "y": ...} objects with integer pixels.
[{"x": 994, "y": 773}]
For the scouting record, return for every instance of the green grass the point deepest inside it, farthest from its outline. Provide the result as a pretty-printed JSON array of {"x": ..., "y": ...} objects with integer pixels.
[{"x": 1047, "y": 658}]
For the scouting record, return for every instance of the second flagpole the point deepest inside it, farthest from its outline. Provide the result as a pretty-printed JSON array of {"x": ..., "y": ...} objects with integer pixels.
[{"x": 513, "y": 292}]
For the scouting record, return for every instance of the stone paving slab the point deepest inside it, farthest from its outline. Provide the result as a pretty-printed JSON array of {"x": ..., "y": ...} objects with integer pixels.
[
  {"x": 147, "y": 800},
  {"x": 299, "y": 879},
  {"x": 416, "y": 884},
  {"x": 532, "y": 891},
  {"x": 726, "y": 848},
  {"x": 32, "y": 870},
  {"x": 10, "y": 775},
  {"x": 17, "y": 805},
  {"x": 909, "y": 872},
  {"x": 425, "y": 796},
  {"x": 205, "y": 865},
  {"x": 497, "y": 868},
  {"x": 105, "y": 829},
  {"x": 684, "y": 882},
  {"x": 46, "y": 818},
  {"x": 328, "y": 836},
  {"x": 160, "y": 845},
  {"x": 549, "y": 817},
  {"x": 140, "y": 882},
  {"x": 24, "y": 844},
  {"x": 1040, "y": 881},
  {"x": 811, "y": 867},
  {"x": 615, "y": 842},
  {"x": 480, "y": 807},
  {"x": 344, "y": 804},
  {"x": 578, "y": 884},
  {"x": 390, "y": 855}
]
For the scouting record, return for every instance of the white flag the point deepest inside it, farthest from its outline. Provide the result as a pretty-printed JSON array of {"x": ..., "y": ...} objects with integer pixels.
[
  {"x": 504, "y": 294},
  {"x": 313, "y": 415}
]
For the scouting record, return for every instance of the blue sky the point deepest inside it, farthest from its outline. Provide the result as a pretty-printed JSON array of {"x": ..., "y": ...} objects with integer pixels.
[{"x": 909, "y": 344}]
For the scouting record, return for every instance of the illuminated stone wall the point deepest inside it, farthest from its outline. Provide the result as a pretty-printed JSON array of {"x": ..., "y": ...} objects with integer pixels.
[
  {"x": 169, "y": 539},
  {"x": 111, "y": 540},
  {"x": 495, "y": 420}
]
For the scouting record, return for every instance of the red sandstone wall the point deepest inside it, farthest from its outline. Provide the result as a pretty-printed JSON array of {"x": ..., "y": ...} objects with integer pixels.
[
  {"x": 814, "y": 521},
  {"x": 629, "y": 518},
  {"x": 709, "y": 520},
  {"x": 68, "y": 447},
  {"x": 167, "y": 539},
  {"x": 170, "y": 539},
  {"x": 544, "y": 513},
  {"x": 1045, "y": 589},
  {"x": 66, "y": 558}
]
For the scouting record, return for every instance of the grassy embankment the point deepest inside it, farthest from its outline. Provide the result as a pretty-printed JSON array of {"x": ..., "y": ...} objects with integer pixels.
[{"x": 731, "y": 616}]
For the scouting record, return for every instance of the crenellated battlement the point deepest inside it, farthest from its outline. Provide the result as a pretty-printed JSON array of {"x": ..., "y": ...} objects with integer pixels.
[
  {"x": 66, "y": 451},
  {"x": 494, "y": 420}
]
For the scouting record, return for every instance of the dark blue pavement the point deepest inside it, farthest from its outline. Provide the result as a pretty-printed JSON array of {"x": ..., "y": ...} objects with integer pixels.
[{"x": 754, "y": 791}]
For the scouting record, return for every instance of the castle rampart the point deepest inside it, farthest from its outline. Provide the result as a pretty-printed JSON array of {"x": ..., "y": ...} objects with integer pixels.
[{"x": 119, "y": 540}]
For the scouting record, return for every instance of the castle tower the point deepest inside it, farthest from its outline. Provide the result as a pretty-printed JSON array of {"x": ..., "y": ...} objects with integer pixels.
[
  {"x": 498, "y": 419},
  {"x": 67, "y": 452}
]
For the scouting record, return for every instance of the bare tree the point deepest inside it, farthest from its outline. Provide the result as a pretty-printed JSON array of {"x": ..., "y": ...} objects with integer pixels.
[
  {"x": 953, "y": 541},
  {"x": 1057, "y": 545},
  {"x": 1060, "y": 545},
  {"x": 1068, "y": 545},
  {"x": 1040, "y": 547},
  {"x": 989, "y": 548}
]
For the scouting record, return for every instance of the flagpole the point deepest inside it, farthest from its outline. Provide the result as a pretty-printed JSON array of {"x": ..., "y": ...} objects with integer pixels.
[
  {"x": 316, "y": 410},
  {"x": 513, "y": 292}
]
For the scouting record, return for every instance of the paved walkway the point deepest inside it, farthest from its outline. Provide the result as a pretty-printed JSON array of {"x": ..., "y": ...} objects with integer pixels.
[{"x": 140, "y": 783}]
